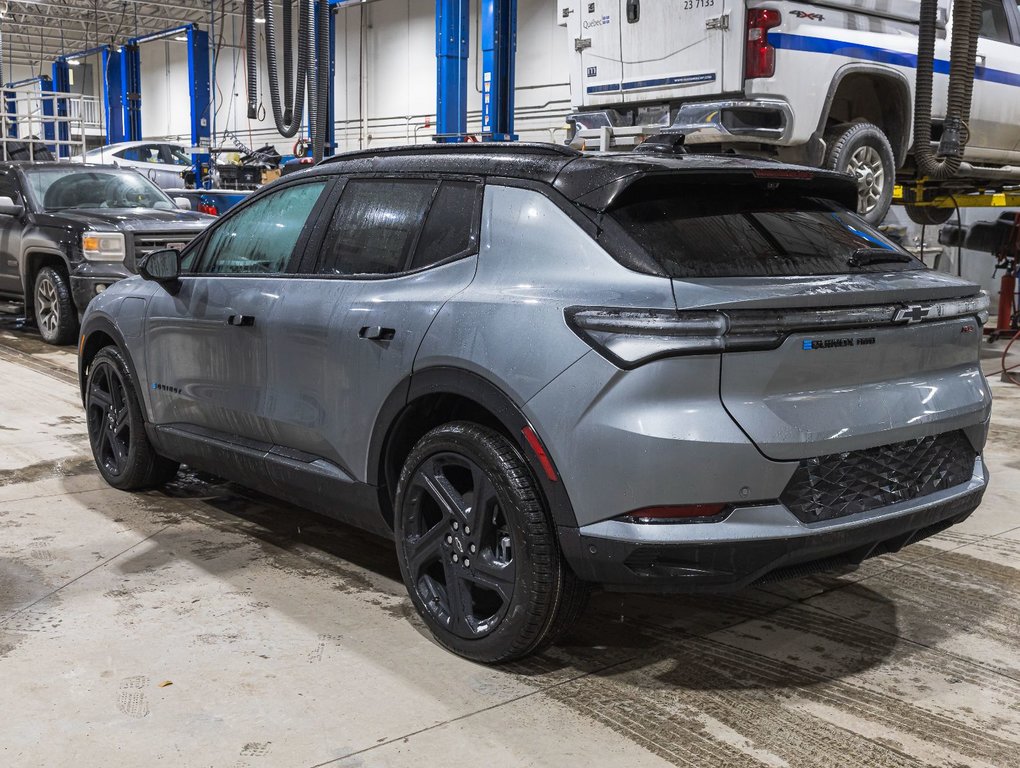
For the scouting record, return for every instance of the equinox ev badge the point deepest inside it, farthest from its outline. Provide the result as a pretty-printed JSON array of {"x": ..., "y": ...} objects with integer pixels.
[
  {"x": 912, "y": 313},
  {"x": 858, "y": 341}
]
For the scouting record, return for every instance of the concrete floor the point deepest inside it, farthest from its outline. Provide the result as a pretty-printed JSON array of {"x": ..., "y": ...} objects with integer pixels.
[{"x": 208, "y": 626}]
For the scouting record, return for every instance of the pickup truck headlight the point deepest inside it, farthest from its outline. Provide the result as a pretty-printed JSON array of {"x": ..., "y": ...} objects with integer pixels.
[{"x": 103, "y": 246}]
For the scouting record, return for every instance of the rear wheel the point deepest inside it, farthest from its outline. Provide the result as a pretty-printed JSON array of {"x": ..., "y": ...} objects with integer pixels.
[
  {"x": 863, "y": 151},
  {"x": 477, "y": 550},
  {"x": 122, "y": 451},
  {"x": 55, "y": 314}
]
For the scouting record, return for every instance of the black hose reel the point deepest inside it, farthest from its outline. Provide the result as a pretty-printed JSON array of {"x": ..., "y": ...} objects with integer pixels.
[{"x": 312, "y": 57}]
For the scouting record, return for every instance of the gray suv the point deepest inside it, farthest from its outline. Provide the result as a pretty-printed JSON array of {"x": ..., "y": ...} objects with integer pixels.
[{"x": 538, "y": 370}]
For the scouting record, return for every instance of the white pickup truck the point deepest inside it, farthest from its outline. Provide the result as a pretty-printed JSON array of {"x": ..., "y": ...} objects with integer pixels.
[{"x": 826, "y": 83}]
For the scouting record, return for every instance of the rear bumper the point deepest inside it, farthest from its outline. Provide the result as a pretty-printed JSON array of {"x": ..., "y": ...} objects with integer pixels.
[
  {"x": 711, "y": 122},
  {"x": 756, "y": 543}
]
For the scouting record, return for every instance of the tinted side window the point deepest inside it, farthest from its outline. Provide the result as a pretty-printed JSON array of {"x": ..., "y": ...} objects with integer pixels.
[
  {"x": 375, "y": 226},
  {"x": 451, "y": 228},
  {"x": 145, "y": 154},
  {"x": 9, "y": 186},
  {"x": 261, "y": 237}
]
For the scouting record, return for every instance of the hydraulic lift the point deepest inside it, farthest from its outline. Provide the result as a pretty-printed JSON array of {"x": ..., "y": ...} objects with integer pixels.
[
  {"x": 123, "y": 89},
  {"x": 499, "y": 48},
  {"x": 62, "y": 83}
]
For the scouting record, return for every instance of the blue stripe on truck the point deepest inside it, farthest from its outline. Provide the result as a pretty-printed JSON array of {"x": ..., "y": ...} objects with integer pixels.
[
  {"x": 705, "y": 77},
  {"x": 786, "y": 41}
]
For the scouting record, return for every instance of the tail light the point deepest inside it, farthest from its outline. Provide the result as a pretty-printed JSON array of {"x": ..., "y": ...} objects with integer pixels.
[
  {"x": 631, "y": 337},
  {"x": 761, "y": 57}
]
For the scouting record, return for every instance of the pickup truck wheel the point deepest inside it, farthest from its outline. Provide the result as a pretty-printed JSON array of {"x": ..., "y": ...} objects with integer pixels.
[
  {"x": 116, "y": 427},
  {"x": 863, "y": 151},
  {"x": 476, "y": 547},
  {"x": 929, "y": 216},
  {"x": 55, "y": 315}
]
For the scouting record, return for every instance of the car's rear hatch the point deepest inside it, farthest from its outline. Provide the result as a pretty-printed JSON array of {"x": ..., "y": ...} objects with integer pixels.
[{"x": 837, "y": 340}]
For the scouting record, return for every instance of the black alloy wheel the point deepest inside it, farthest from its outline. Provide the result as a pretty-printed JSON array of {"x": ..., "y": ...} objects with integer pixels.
[
  {"x": 477, "y": 550},
  {"x": 113, "y": 416},
  {"x": 459, "y": 546},
  {"x": 109, "y": 418}
]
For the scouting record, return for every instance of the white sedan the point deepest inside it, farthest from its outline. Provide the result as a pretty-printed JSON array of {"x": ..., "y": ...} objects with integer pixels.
[{"x": 160, "y": 161}]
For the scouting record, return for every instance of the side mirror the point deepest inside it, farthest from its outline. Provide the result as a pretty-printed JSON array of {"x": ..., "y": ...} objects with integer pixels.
[
  {"x": 183, "y": 203},
  {"x": 10, "y": 208},
  {"x": 162, "y": 266}
]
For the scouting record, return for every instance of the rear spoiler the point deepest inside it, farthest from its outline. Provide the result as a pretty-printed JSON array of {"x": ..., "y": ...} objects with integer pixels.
[{"x": 811, "y": 182}]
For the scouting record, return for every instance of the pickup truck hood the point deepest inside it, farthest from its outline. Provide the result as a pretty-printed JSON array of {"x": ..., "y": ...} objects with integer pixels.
[{"x": 128, "y": 219}]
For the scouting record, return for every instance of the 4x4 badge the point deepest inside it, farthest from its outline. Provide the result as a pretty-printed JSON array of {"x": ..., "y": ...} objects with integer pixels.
[{"x": 912, "y": 313}]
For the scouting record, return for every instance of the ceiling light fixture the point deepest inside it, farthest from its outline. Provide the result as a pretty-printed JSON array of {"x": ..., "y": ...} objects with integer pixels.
[
  {"x": 259, "y": 20},
  {"x": 181, "y": 38}
]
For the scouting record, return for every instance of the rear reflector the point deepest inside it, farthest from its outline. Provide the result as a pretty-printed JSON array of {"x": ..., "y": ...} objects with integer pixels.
[
  {"x": 539, "y": 449},
  {"x": 782, "y": 173},
  {"x": 678, "y": 512}
]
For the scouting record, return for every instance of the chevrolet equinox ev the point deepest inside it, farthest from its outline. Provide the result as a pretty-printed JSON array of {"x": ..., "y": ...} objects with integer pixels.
[{"x": 538, "y": 371}]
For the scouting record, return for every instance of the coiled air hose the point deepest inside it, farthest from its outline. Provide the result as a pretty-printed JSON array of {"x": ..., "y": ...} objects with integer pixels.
[
  {"x": 944, "y": 163},
  {"x": 251, "y": 60},
  {"x": 312, "y": 52}
]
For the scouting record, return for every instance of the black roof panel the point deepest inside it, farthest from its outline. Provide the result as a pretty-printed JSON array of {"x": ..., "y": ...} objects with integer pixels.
[{"x": 594, "y": 180}]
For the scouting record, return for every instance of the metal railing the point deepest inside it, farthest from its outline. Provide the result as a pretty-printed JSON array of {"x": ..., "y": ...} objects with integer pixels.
[
  {"x": 86, "y": 109},
  {"x": 38, "y": 124}
]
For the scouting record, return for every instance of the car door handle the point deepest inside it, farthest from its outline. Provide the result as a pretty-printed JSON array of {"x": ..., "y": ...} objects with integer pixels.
[
  {"x": 376, "y": 333},
  {"x": 240, "y": 320}
]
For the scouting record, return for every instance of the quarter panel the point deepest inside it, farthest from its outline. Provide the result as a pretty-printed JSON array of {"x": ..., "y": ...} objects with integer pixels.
[
  {"x": 534, "y": 262},
  {"x": 658, "y": 434}
]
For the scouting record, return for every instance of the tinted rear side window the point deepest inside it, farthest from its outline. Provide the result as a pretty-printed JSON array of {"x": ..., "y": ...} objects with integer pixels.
[
  {"x": 375, "y": 226},
  {"x": 451, "y": 229},
  {"x": 743, "y": 231}
]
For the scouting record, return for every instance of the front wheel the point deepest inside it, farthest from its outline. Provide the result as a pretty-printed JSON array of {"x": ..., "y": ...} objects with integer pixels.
[
  {"x": 863, "y": 151},
  {"x": 113, "y": 415},
  {"x": 477, "y": 550},
  {"x": 55, "y": 314}
]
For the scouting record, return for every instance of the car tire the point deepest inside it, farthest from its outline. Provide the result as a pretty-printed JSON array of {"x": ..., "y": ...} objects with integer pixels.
[
  {"x": 927, "y": 216},
  {"x": 863, "y": 151},
  {"x": 55, "y": 314},
  {"x": 113, "y": 415},
  {"x": 477, "y": 550}
]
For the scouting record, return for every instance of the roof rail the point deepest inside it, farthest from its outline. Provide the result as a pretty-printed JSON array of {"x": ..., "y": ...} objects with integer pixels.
[{"x": 465, "y": 147}]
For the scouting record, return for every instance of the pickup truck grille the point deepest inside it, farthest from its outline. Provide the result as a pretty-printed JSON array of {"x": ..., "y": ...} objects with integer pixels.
[
  {"x": 149, "y": 242},
  {"x": 841, "y": 484}
]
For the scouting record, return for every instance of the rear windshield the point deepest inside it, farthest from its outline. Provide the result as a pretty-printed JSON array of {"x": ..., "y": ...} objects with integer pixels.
[{"x": 744, "y": 231}]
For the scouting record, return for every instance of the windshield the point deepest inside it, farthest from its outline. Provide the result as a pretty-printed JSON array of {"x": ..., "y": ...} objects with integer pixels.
[
  {"x": 746, "y": 231},
  {"x": 60, "y": 188}
]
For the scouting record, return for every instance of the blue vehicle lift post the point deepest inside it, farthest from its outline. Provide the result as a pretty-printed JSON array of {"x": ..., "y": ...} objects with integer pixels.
[
  {"x": 130, "y": 95},
  {"x": 452, "y": 40},
  {"x": 499, "y": 49},
  {"x": 113, "y": 95},
  {"x": 62, "y": 84}
]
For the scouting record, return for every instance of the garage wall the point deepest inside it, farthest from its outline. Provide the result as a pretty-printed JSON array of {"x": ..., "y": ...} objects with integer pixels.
[{"x": 385, "y": 78}]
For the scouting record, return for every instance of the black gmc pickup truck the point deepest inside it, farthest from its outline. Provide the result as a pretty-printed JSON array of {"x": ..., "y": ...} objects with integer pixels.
[{"x": 69, "y": 230}]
